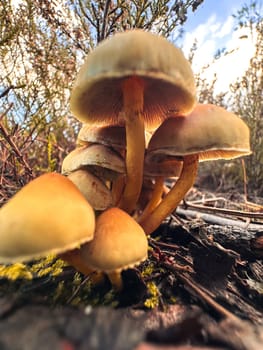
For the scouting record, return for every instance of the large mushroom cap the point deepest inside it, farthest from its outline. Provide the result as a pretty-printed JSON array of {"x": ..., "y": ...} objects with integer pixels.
[
  {"x": 48, "y": 215},
  {"x": 169, "y": 85},
  {"x": 119, "y": 242},
  {"x": 209, "y": 131}
]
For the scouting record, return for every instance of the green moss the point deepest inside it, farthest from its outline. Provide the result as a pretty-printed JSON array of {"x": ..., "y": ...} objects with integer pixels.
[
  {"x": 15, "y": 271},
  {"x": 77, "y": 279},
  {"x": 109, "y": 299},
  {"x": 172, "y": 300},
  {"x": 59, "y": 291},
  {"x": 148, "y": 270},
  {"x": 48, "y": 266},
  {"x": 153, "y": 300},
  {"x": 46, "y": 279}
]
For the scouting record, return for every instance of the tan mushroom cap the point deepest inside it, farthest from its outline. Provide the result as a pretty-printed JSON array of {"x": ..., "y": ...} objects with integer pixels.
[
  {"x": 93, "y": 189},
  {"x": 119, "y": 243},
  {"x": 169, "y": 85},
  {"x": 97, "y": 155},
  {"x": 109, "y": 135},
  {"x": 165, "y": 167},
  {"x": 209, "y": 131},
  {"x": 48, "y": 215},
  {"x": 133, "y": 78}
]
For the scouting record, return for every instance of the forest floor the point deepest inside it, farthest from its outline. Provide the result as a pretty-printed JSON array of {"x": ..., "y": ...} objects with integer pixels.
[{"x": 201, "y": 288}]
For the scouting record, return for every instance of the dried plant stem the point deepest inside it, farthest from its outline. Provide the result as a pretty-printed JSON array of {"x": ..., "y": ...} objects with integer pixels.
[{"x": 10, "y": 141}]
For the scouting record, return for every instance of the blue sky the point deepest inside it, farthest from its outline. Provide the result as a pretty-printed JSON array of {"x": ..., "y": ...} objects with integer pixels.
[
  {"x": 212, "y": 27},
  {"x": 221, "y": 8}
]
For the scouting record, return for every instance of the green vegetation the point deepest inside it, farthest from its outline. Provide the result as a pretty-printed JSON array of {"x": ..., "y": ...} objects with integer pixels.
[{"x": 244, "y": 97}]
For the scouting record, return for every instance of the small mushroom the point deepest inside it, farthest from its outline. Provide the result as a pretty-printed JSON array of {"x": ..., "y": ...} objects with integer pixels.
[
  {"x": 113, "y": 136},
  {"x": 48, "y": 215},
  {"x": 169, "y": 167},
  {"x": 110, "y": 135},
  {"x": 209, "y": 132},
  {"x": 99, "y": 159},
  {"x": 93, "y": 189},
  {"x": 119, "y": 243},
  {"x": 133, "y": 78}
]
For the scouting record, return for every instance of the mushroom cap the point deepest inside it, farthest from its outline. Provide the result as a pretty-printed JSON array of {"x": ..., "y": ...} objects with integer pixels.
[
  {"x": 48, "y": 215},
  {"x": 209, "y": 130},
  {"x": 119, "y": 243},
  {"x": 93, "y": 155},
  {"x": 93, "y": 189},
  {"x": 107, "y": 135},
  {"x": 169, "y": 85},
  {"x": 164, "y": 168}
]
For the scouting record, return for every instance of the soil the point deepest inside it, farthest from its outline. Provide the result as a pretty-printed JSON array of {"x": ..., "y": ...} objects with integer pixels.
[{"x": 201, "y": 288}]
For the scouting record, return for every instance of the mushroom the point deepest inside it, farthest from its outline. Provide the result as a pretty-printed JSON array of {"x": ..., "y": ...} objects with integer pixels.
[
  {"x": 113, "y": 136},
  {"x": 93, "y": 189},
  {"x": 209, "y": 132},
  {"x": 48, "y": 215},
  {"x": 133, "y": 78},
  {"x": 93, "y": 157},
  {"x": 110, "y": 135},
  {"x": 169, "y": 167},
  {"x": 119, "y": 243},
  {"x": 103, "y": 166}
]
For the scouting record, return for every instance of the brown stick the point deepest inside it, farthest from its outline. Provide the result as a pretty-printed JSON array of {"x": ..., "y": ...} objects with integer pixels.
[{"x": 14, "y": 147}]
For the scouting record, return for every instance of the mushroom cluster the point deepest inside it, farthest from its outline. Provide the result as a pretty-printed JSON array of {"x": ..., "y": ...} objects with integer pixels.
[
  {"x": 50, "y": 215},
  {"x": 135, "y": 95}
]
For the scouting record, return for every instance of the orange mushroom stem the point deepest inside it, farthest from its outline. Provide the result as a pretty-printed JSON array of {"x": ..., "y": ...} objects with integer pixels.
[
  {"x": 116, "y": 280},
  {"x": 156, "y": 197},
  {"x": 73, "y": 258},
  {"x": 174, "y": 197},
  {"x": 133, "y": 94}
]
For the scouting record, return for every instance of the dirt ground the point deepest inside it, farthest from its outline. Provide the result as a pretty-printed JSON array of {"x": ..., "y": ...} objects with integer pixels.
[{"x": 201, "y": 288}]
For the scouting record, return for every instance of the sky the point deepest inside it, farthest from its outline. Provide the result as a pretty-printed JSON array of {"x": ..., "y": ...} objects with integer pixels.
[{"x": 212, "y": 26}]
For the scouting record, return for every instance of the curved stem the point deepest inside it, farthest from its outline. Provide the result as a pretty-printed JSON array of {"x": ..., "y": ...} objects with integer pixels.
[
  {"x": 133, "y": 92},
  {"x": 174, "y": 197},
  {"x": 155, "y": 199}
]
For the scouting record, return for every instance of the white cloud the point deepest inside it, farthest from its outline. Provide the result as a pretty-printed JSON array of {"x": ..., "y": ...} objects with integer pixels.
[
  {"x": 225, "y": 28},
  {"x": 212, "y": 36}
]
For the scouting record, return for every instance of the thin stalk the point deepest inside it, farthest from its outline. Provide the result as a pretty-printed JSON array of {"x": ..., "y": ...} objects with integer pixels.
[{"x": 174, "y": 196}]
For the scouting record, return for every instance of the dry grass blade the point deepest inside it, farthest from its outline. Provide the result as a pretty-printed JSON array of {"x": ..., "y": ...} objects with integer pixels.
[{"x": 15, "y": 169}]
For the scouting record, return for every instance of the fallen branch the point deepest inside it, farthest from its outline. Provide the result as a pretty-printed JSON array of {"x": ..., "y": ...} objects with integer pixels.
[
  {"x": 218, "y": 220},
  {"x": 237, "y": 213}
]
